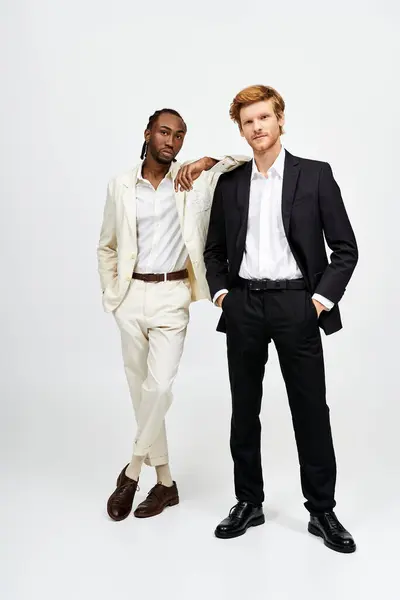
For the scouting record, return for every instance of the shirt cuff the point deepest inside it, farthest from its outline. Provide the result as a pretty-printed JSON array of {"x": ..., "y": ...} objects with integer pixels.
[
  {"x": 218, "y": 294},
  {"x": 324, "y": 301}
]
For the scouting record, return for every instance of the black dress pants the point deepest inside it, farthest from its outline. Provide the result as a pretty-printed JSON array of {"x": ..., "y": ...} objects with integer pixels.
[{"x": 289, "y": 318}]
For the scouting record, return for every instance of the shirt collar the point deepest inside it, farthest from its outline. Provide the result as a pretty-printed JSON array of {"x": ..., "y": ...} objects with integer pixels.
[
  {"x": 173, "y": 171},
  {"x": 276, "y": 169}
]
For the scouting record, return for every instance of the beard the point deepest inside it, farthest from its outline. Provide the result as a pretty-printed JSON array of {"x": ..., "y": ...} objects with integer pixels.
[
  {"x": 160, "y": 158},
  {"x": 264, "y": 144}
]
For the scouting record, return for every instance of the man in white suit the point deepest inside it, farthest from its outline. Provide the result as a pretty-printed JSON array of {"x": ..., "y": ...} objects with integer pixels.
[{"x": 150, "y": 261}]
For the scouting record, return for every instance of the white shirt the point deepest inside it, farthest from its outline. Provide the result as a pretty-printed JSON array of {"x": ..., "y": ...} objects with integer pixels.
[
  {"x": 267, "y": 254},
  {"x": 161, "y": 248}
]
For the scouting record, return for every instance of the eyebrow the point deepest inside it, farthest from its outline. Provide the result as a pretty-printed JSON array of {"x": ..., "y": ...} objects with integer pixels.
[
  {"x": 169, "y": 129},
  {"x": 260, "y": 115},
  {"x": 250, "y": 120}
]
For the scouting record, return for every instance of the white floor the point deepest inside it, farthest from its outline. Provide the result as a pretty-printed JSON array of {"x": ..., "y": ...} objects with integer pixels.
[{"x": 67, "y": 439}]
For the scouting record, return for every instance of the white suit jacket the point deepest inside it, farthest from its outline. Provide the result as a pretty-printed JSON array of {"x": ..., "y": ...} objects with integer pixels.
[{"x": 117, "y": 249}]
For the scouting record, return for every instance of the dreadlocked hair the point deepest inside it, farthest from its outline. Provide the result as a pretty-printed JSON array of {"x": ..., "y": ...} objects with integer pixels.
[{"x": 152, "y": 119}]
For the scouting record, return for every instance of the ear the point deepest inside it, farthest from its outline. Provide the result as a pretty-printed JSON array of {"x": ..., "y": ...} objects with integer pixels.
[
  {"x": 147, "y": 135},
  {"x": 281, "y": 121},
  {"x": 240, "y": 130}
]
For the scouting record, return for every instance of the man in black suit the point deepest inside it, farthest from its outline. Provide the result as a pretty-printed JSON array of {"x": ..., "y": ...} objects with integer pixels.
[{"x": 268, "y": 270}]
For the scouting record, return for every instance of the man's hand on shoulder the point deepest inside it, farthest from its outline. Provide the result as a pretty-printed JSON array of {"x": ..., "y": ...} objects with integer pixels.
[{"x": 187, "y": 174}]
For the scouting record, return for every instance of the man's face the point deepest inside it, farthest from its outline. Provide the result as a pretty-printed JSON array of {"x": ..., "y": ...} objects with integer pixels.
[
  {"x": 165, "y": 139},
  {"x": 260, "y": 126}
]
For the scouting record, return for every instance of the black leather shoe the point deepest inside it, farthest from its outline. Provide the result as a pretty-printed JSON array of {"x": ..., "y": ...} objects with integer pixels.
[
  {"x": 120, "y": 502},
  {"x": 241, "y": 516},
  {"x": 336, "y": 537}
]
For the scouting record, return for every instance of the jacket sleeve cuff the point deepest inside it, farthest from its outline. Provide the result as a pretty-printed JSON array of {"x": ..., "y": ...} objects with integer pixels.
[{"x": 227, "y": 163}]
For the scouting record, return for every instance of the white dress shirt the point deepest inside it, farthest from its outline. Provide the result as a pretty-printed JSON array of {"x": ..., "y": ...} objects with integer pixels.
[
  {"x": 161, "y": 248},
  {"x": 267, "y": 254}
]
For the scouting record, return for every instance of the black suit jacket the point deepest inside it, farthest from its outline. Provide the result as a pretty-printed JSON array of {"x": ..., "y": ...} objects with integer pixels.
[{"x": 312, "y": 209}]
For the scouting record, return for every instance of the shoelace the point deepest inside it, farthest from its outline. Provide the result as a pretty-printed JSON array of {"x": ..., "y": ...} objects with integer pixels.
[
  {"x": 153, "y": 493},
  {"x": 121, "y": 490},
  {"x": 237, "y": 510},
  {"x": 334, "y": 523}
]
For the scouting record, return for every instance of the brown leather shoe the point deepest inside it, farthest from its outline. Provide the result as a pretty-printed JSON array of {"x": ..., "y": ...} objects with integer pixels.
[
  {"x": 120, "y": 502},
  {"x": 158, "y": 498}
]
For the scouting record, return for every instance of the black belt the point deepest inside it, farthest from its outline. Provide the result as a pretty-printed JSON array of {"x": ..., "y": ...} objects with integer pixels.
[{"x": 271, "y": 284}]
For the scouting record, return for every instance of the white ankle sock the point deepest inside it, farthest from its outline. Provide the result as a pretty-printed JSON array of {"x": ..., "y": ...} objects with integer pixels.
[
  {"x": 164, "y": 475},
  {"x": 134, "y": 468}
]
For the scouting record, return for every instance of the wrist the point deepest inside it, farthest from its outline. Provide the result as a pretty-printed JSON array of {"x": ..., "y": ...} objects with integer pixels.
[{"x": 209, "y": 163}]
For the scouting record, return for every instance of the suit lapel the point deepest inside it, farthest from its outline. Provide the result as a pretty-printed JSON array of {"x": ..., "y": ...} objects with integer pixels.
[
  {"x": 180, "y": 206},
  {"x": 243, "y": 199},
  {"x": 129, "y": 200},
  {"x": 290, "y": 177},
  {"x": 180, "y": 197}
]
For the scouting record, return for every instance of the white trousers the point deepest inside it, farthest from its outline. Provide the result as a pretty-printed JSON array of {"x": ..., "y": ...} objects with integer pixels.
[{"x": 152, "y": 320}]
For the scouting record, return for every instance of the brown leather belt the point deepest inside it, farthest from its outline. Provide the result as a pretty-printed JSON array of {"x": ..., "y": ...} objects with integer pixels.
[{"x": 158, "y": 277}]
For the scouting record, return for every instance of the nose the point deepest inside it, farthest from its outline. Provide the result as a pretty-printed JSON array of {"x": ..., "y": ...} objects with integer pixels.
[
  {"x": 169, "y": 142},
  {"x": 257, "y": 126}
]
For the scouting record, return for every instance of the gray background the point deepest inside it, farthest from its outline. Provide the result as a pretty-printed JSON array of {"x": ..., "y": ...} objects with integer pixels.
[{"x": 79, "y": 81}]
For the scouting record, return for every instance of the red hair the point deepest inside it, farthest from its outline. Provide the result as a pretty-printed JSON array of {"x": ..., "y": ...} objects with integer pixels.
[{"x": 256, "y": 93}]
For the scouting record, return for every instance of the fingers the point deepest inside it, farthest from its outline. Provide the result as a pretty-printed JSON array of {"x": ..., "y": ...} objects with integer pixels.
[
  {"x": 184, "y": 179},
  {"x": 178, "y": 180}
]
